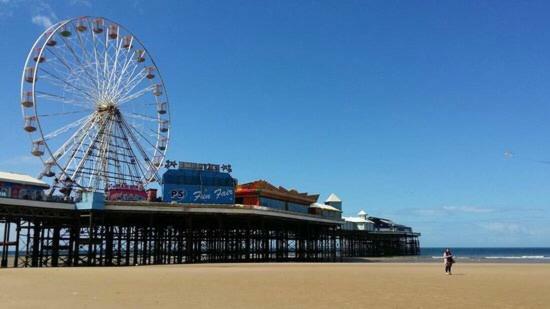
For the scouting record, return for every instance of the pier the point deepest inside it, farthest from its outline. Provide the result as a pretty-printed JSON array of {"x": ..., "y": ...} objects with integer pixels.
[{"x": 51, "y": 234}]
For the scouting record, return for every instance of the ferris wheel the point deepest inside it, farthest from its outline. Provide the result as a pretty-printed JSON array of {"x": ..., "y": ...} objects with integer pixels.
[{"x": 95, "y": 106}]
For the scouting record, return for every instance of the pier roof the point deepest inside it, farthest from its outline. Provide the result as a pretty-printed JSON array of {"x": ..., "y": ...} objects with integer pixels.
[
  {"x": 265, "y": 188},
  {"x": 324, "y": 207},
  {"x": 356, "y": 220},
  {"x": 22, "y": 179}
]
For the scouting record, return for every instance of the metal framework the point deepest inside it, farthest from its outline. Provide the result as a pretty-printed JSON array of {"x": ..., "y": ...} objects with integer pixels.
[
  {"x": 35, "y": 237},
  {"x": 95, "y": 106},
  {"x": 361, "y": 243}
]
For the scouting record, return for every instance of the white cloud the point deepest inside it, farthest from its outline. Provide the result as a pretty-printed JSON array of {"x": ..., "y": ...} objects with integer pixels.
[
  {"x": 528, "y": 228},
  {"x": 451, "y": 210},
  {"x": 467, "y": 209},
  {"x": 43, "y": 14},
  {"x": 42, "y": 20},
  {"x": 505, "y": 228},
  {"x": 40, "y": 10}
]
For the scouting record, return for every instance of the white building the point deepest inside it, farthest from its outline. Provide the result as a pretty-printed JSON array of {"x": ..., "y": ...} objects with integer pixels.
[
  {"x": 325, "y": 210},
  {"x": 360, "y": 223}
]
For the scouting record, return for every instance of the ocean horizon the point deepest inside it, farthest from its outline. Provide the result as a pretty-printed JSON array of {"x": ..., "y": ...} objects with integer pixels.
[
  {"x": 525, "y": 254},
  {"x": 472, "y": 254}
]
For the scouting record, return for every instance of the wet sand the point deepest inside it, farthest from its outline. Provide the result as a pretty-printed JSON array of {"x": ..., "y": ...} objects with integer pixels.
[{"x": 344, "y": 285}]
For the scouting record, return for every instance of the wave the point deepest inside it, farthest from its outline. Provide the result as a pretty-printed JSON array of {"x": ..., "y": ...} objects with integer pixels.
[{"x": 525, "y": 257}]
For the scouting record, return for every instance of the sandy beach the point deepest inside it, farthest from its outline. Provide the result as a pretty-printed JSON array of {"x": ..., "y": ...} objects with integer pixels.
[{"x": 346, "y": 285}]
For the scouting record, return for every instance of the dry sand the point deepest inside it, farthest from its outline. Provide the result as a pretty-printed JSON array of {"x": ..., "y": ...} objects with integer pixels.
[{"x": 347, "y": 285}]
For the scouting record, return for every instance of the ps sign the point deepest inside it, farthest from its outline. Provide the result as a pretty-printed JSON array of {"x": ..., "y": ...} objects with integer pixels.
[{"x": 177, "y": 195}]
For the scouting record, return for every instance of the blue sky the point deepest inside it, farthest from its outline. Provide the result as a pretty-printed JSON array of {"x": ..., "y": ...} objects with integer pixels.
[{"x": 402, "y": 108}]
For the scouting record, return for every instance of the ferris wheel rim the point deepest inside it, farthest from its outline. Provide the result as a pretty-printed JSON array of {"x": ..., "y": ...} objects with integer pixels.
[{"x": 41, "y": 42}]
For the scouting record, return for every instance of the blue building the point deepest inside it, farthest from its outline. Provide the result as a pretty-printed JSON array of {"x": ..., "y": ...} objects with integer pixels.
[{"x": 199, "y": 183}]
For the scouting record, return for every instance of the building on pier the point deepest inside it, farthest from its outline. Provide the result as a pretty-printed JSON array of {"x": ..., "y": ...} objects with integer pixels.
[
  {"x": 262, "y": 193},
  {"x": 387, "y": 225},
  {"x": 334, "y": 201},
  {"x": 359, "y": 223},
  {"x": 325, "y": 211},
  {"x": 364, "y": 222},
  {"x": 199, "y": 183},
  {"x": 365, "y": 235},
  {"x": 21, "y": 186}
]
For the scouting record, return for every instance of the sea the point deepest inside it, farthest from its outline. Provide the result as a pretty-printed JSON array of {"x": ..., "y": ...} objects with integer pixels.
[{"x": 523, "y": 255}]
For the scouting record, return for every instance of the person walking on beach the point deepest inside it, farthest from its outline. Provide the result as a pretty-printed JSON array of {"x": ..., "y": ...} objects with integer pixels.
[{"x": 448, "y": 259}]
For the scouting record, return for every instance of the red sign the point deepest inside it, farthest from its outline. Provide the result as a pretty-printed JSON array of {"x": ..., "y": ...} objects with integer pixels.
[{"x": 126, "y": 193}]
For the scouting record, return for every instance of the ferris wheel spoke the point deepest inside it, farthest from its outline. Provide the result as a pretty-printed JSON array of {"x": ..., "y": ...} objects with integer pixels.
[
  {"x": 115, "y": 66},
  {"x": 61, "y": 99},
  {"x": 142, "y": 117},
  {"x": 82, "y": 44},
  {"x": 79, "y": 142},
  {"x": 141, "y": 104},
  {"x": 144, "y": 127},
  {"x": 69, "y": 84},
  {"x": 106, "y": 60},
  {"x": 73, "y": 140},
  {"x": 152, "y": 133},
  {"x": 74, "y": 71},
  {"x": 131, "y": 75},
  {"x": 132, "y": 83},
  {"x": 89, "y": 150},
  {"x": 144, "y": 138},
  {"x": 148, "y": 160},
  {"x": 100, "y": 164},
  {"x": 74, "y": 151},
  {"x": 115, "y": 156},
  {"x": 60, "y": 59},
  {"x": 62, "y": 151},
  {"x": 127, "y": 62},
  {"x": 111, "y": 70},
  {"x": 59, "y": 65},
  {"x": 64, "y": 113},
  {"x": 65, "y": 128},
  {"x": 70, "y": 97},
  {"x": 125, "y": 150},
  {"x": 69, "y": 46},
  {"x": 116, "y": 90},
  {"x": 80, "y": 93},
  {"x": 135, "y": 95},
  {"x": 97, "y": 60},
  {"x": 136, "y": 168},
  {"x": 59, "y": 70}
]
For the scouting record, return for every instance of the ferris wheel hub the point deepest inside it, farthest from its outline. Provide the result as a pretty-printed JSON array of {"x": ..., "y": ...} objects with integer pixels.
[{"x": 107, "y": 107}]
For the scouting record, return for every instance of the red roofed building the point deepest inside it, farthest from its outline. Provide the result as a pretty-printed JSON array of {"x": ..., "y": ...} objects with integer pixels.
[{"x": 262, "y": 193}]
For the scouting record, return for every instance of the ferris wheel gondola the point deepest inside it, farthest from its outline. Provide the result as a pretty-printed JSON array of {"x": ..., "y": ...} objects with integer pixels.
[{"x": 94, "y": 105}]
